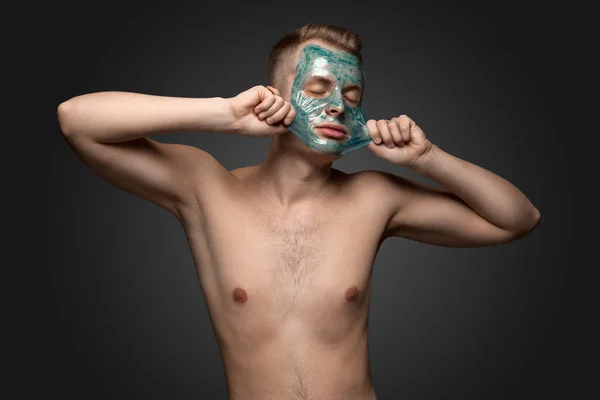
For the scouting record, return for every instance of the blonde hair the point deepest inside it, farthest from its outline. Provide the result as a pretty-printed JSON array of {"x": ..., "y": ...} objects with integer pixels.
[{"x": 280, "y": 58}]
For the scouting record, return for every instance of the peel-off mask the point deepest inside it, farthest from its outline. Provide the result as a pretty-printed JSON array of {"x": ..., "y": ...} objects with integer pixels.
[{"x": 327, "y": 95}]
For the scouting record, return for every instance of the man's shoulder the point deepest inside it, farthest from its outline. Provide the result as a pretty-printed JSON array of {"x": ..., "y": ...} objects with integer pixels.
[
  {"x": 371, "y": 181},
  {"x": 244, "y": 172},
  {"x": 380, "y": 183},
  {"x": 368, "y": 177},
  {"x": 186, "y": 154}
]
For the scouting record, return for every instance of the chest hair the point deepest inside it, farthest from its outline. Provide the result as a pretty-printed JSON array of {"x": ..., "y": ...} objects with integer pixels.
[{"x": 295, "y": 244}]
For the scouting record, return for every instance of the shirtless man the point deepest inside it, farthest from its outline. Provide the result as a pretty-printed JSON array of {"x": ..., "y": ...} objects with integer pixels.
[{"x": 284, "y": 250}]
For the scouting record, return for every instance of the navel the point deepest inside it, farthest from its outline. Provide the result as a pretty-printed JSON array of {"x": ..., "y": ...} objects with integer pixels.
[
  {"x": 239, "y": 295},
  {"x": 352, "y": 293}
]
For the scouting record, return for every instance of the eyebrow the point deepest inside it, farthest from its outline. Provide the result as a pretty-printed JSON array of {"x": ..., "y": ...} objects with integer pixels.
[
  {"x": 321, "y": 79},
  {"x": 328, "y": 81}
]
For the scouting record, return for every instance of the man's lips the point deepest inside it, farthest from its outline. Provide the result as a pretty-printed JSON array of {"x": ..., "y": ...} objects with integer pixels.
[{"x": 335, "y": 131}]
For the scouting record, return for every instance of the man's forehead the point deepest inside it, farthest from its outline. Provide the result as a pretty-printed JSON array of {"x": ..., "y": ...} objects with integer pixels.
[
  {"x": 316, "y": 49},
  {"x": 316, "y": 59}
]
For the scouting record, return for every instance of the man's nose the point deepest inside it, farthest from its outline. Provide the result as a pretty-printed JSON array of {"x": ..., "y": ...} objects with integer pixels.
[{"x": 335, "y": 108}]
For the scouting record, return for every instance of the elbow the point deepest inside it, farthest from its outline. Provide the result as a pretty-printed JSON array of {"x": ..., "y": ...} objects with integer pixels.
[
  {"x": 529, "y": 224},
  {"x": 64, "y": 113},
  {"x": 534, "y": 220}
]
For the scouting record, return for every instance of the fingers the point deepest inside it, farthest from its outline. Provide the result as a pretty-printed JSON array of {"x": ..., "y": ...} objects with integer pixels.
[
  {"x": 273, "y": 90},
  {"x": 278, "y": 102},
  {"x": 386, "y": 136},
  {"x": 264, "y": 105},
  {"x": 405, "y": 125},
  {"x": 381, "y": 133},
  {"x": 375, "y": 135},
  {"x": 273, "y": 109},
  {"x": 396, "y": 132},
  {"x": 290, "y": 116},
  {"x": 286, "y": 114},
  {"x": 279, "y": 114}
]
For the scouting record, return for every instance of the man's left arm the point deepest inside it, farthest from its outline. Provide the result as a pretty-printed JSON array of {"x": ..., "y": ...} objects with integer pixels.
[{"x": 477, "y": 208}]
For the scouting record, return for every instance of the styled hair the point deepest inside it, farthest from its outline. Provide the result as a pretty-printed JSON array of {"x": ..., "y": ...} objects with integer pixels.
[{"x": 280, "y": 59}]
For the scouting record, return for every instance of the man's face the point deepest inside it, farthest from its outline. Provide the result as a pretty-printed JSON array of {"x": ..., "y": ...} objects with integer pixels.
[{"x": 327, "y": 94}]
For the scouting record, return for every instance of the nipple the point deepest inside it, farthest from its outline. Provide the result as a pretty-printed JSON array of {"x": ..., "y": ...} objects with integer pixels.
[
  {"x": 239, "y": 295},
  {"x": 352, "y": 294}
]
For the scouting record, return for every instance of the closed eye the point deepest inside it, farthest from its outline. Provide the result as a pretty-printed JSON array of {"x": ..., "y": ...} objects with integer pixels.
[
  {"x": 318, "y": 86},
  {"x": 316, "y": 92},
  {"x": 353, "y": 101},
  {"x": 353, "y": 93}
]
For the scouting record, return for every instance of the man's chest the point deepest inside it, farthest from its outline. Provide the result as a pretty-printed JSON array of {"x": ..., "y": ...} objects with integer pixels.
[{"x": 312, "y": 253}]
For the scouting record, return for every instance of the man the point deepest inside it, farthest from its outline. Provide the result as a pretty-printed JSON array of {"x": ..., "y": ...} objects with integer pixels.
[{"x": 284, "y": 249}]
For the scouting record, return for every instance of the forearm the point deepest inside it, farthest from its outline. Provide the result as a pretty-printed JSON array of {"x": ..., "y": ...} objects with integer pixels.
[
  {"x": 111, "y": 117},
  {"x": 494, "y": 198}
]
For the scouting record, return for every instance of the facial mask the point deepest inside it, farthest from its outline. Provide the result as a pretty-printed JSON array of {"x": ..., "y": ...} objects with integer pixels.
[{"x": 325, "y": 92}]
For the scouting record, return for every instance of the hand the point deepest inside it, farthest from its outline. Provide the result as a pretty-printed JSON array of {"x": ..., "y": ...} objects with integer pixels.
[
  {"x": 399, "y": 140},
  {"x": 261, "y": 111}
]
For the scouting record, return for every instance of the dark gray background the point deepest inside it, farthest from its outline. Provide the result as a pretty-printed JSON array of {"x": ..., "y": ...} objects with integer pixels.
[{"x": 122, "y": 313}]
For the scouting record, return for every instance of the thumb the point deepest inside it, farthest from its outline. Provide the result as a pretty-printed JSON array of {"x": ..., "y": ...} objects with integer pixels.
[
  {"x": 377, "y": 149},
  {"x": 277, "y": 129}
]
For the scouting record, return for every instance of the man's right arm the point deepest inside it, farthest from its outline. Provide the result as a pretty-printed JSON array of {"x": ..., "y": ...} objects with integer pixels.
[{"x": 108, "y": 132}]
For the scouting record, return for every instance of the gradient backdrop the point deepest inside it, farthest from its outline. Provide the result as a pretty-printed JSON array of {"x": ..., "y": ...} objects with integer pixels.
[{"x": 123, "y": 313}]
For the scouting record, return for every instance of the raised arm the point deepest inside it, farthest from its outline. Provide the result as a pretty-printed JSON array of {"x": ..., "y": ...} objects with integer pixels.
[
  {"x": 475, "y": 208},
  {"x": 109, "y": 132}
]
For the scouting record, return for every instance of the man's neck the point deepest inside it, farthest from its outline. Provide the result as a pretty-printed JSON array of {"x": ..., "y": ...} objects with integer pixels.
[{"x": 292, "y": 176}]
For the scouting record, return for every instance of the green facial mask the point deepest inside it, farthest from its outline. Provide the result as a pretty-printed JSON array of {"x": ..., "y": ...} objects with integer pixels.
[{"x": 327, "y": 89}]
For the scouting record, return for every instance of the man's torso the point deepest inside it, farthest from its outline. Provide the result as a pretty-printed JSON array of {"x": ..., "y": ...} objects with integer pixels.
[{"x": 288, "y": 291}]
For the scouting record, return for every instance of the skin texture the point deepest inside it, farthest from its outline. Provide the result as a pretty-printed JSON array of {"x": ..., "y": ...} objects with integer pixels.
[{"x": 284, "y": 249}]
